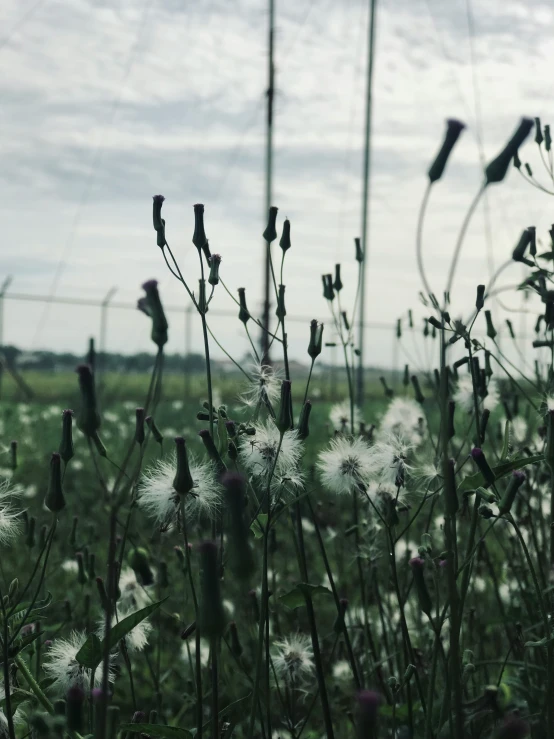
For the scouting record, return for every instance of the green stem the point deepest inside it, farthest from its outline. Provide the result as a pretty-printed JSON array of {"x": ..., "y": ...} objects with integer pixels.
[{"x": 32, "y": 683}]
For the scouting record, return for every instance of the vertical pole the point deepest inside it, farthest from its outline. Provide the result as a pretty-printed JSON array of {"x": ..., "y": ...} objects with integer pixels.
[
  {"x": 268, "y": 181},
  {"x": 101, "y": 358},
  {"x": 365, "y": 202},
  {"x": 3, "y": 289},
  {"x": 188, "y": 343},
  {"x": 395, "y": 379}
]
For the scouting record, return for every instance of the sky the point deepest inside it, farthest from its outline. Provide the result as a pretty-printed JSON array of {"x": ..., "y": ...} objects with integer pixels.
[{"x": 105, "y": 103}]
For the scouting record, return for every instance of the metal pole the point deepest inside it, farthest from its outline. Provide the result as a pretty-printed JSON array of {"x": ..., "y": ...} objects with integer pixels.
[
  {"x": 268, "y": 180},
  {"x": 188, "y": 344},
  {"x": 3, "y": 289},
  {"x": 101, "y": 359},
  {"x": 365, "y": 201}
]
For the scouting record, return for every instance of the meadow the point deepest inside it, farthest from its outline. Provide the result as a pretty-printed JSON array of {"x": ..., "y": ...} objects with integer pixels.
[{"x": 249, "y": 558}]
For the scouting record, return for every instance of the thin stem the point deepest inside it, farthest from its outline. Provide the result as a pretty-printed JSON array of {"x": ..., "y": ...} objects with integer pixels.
[
  {"x": 419, "y": 238},
  {"x": 461, "y": 237},
  {"x": 32, "y": 683}
]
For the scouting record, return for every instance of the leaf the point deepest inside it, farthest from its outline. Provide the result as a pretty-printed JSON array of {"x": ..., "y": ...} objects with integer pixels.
[
  {"x": 296, "y": 597},
  {"x": 90, "y": 655},
  {"x": 259, "y": 525},
  {"x": 17, "y": 616},
  {"x": 472, "y": 482},
  {"x": 17, "y": 696},
  {"x": 166, "y": 732},
  {"x": 121, "y": 629}
]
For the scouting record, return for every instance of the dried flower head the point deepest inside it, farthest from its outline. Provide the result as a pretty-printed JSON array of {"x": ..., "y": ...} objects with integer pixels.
[
  {"x": 61, "y": 665},
  {"x": 345, "y": 465},
  {"x": 340, "y": 416},
  {"x": 292, "y": 659},
  {"x": 463, "y": 396},
  {"x": 404, "y": 418},
  {"x": 10, "y": 521},
  {"x": 262, "y": 454},
  {"x": 133, "y": 595},
  {"x": 389, "y": 459},
  {"x": 136, "y": 639},
  {"x": 265, "y": 386}
]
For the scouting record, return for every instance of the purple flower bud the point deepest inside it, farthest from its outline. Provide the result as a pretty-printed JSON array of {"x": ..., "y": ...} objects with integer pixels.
[
  {"x": 368, "y": 702},
  {"x": 97, "y": 694},
  {"x": 480, "y": 460},
  {"x": 157, "y": 212}
]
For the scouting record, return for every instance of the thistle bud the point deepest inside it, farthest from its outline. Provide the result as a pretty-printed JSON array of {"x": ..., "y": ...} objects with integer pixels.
[
  {"x": 199, "y": 236},
  {"x": 211, "y": 615},
  {"x": 328, "y": 289},
  {"x": 156, "y": 312},
  {"x": 13, "y": 455},
  {"x": 406, "y": 377},
  {"x": 316, "y": 339},
  {"x": 417, "y": 389},
  {"x": 453, "y": 130},
  {"x": 389, "y": 392},
  {"x": 160, "y": 235},
  {"x": 450, "y": 495},
  {"x": 54, "y": 499},
  {"x": 284, "y": 241},
  {"x": 417, "y": 564},
  {"x": 242, "y": 561},
  {"x": 359, "y": 251},
  {"x": 284, "y": 422},
  {"x": 496, "y": 170},
  {"x": 480, "y": 302},
  {"x": 139, "y": 562},
  {"x": 270, "y": 233},
  {"x": 367, "y": 714},
  {"x": 337, "y": 284},
  {"x": 483, "y": 424},
  {"x": 156, "y": 433},
  {"x": 232, "y": 451},
  {"x": 538, "y": 132},
  {"x": 281, "y": 310},
  {"x": 66, "y": 449},
  {"x": 532, "y": 240},
  {"x": 236, "y": 647},
  {"x": 480, "y": 460},
  {"x": 450, "y": 428},
  {"x": 158, "y": 201},
  {"x": 182, "y": 482},
  {"x": 139, "y": 426},
  {"x": 74, "y": 709},
  {"x": 211, "y": 449},
  {"x": 88, "y": 418},
  {"x": 91, "y": 354},
  {"x": 215, "y": 261},
  {"x": 102, "y": 594},
  {"x": 244, "y": 314},
  {"x": 303, "y": 421},
  {"x": 491, "y": 331},
  {"x": 189, "y": 631},
  {"x": 516, "y": 481},
  {"x": 528, "y": 169},
  {"x": 547, "y": 137}
]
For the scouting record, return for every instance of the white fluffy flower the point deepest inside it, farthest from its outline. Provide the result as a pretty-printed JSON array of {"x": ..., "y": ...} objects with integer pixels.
[
  {"x": 61, "y": 665},
  {"x": 157, "y": 496},
  {"x": 463, "y": 396},
  {"x": 292, "y": 659},
  {"x": 389, "y": 459},
  {"x": 133, "y": 595},
  {"x": 70, "y": 565},
  {"x": 136, "y": 639},
  {"x": 519, "y": 429},
  {"x": 345, "y": 465},
  {"x": 10, "y": 521},
  {"x": 404, "y": 418},
  {"x": 265, "y": 385},
  {"x": 340, "y": 417},
  {"x": 258, "y": 453},
  {"x": 190, "y": 645}
]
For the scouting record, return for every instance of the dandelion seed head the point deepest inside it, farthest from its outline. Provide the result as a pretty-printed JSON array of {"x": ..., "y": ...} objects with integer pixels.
[
  {"x": 292, "y": 658},
  {"x": 345, "y": 465},
  {"x": 10, "y": 521},
  {"x": 61, "y": 665},
  {"x": 261, "y": 455},
  {"x": 389, "y": 459},
  {"x": 265, "y": 385},
  {"x": 463, "y": 395},
  {"x": 339, "y": 416},
  {"x": 404, "y": 418},
  {"x": 136, "y": 639}
]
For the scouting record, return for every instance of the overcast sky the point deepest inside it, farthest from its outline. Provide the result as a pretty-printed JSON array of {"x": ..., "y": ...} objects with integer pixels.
[{"x": 105, "y": 103}]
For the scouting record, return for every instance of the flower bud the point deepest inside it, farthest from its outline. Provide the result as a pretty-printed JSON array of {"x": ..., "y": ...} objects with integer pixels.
[
  {"x": 74, "y": 710},
  {"x": 81, "y": 574},
  {"x": 139, "y": 426},
  {"x": 450, "y": 495},
  {"x": 284, "y": 422},
  {"x": 158, "y": 201},
  {"x": 241, "y": 558},
  {"x": 538, "y": 132},
  {"x": 211, "y": 616},
  {"x": 66, "y": 449},
  {"x": 55, "y": 500},
  {"x": 491, "y": 331},
  {"x": 533, "y": 240},
  {"x": 156, "y": 312},
  {"x": 13, "y": 455},
  {"x": 496, "y": 170},
  {"x": 328, "y": 290},
  {"x": 202, "y": 302},
  {"x": 453, "y": 130},
  {"x": 270, "y": 233},
  {"x": 139, "y": 562},
  {"x": 281, "y": 310},
  {"x": 102, "y": 594},
  {"x": 483, "y": 424},
  {"x": 212, "y": 451},
  {"x": 367, "y": 714},
  {"x": 303, "y": 421},
  {"x": 156, "y": 433},
  {"x": 339, "y": 625},
  {"x": 547, "y": 137},
  {"x": 417, "y": 389},
  {"x": 417, "y": 564},
  {"x": 88, "y": 418},
  {"x": 160, "y": 235},
  {"x": 215, "y": 261},
  {"x": 480, "y": 302},
  {"x": 199, "y": 236},
  {"x": 236, "y": 647},
  {"x": 516, "y": 481},
  {"x": 244, "y": 314},
  {"x": 337, "y": 284},
  {"x": 182, "y": 482},
  {"x": 480, "y": 460},
  {"x": 359, "y": 251},
  {"x": 284, "y": 242},
  {"x": 316, "y": 338}
]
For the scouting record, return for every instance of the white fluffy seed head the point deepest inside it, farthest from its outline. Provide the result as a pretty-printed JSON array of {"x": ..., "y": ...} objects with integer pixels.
[
  {"x": 265, "y": 385},
  {"x": 158, "y": 499},
  {"x": 345, "y": 465},
  {"x": 293, "y": 659},
  {"x": 10, "y": 517},
  {"x": 61, "y": 665},
  {"x": 136, "y": 639},
  {"x": 260, "y": 455},
  {"x": 340, "y": 417},
  {"x": 405, "y": 418},
  {"x": 389, "y": 459},
  {"x": 133, "y": 595},
  {"x": 463, "y": 396}
]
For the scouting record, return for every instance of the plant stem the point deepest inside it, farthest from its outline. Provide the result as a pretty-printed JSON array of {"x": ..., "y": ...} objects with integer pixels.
[{"x": 32, "y": 683}]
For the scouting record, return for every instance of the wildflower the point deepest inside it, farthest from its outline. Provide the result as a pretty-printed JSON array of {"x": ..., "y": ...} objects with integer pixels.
[
  {"x": 292, "y": 659},
  {"x": 158, "y": 498},
  {"x": 61, "y": 665},
  {"x": 345, "y": 465},
  {"x": 70, "y": 565},
  {"x": 263, "y": 454},
  {"x": 388, "y": 459},
  {"x": 339, "y": 416},
  {"x": 10, "y": 524},
  {"x": 136, "y": 639},
  {"x": 404, "y": 418},
  {"x": 463, "y": 396},
  {"x": 133, "y": 596},
  {"x": 264, "y": 387}
]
